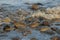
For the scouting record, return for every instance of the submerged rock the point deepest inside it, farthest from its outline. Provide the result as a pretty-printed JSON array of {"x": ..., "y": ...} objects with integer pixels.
[
  {"x": 38, "y": 3},
  {"x": 34, "y": 24},
  {"x": 34, "y": 3},
  {"x": 20, "y": 24},
  {"x": 45, "y": 23},
  {"x": 43, "y": 29},
  {"x": 6, "y": 28},
  {"x": 53, "y": 28},
  {"x": 27, "y": 32},
  {"x": 33, "y": 39},
  {"x": 35, "y": 7},
  {"x": 2, "y": 9},
  {"x": 6, "y": 20},
  {"x": 16, "y": 38},
  {"x": 55, "y": 38},
  {"x": 47, "y": 30}
]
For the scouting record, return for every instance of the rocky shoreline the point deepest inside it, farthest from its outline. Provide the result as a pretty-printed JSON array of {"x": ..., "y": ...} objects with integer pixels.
[{"x": 32, "y": 24}]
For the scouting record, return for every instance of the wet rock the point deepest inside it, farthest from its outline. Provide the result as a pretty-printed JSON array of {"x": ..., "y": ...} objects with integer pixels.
[
  {"x": 58, "y": 31},
  {"x": 3, "y": 35},
  {"x": 55, "y": 38},
  {"x": 50, "y": 32},
  {"x": 34, "y": 7},
  {"x": 2, "y": 9},
  {"x": 41, "y": 18},
  {"x": 45, "y": 23},
  {"x": 22, "y": 30},
  {"x": 29, "y": 31},
  {"x": 47, "y": 30},
  {"x": 34, "y": 3},
  {"x": 56, "y": 20},
  {"x": 43, "y": 29},
  {"x": 43, "y": 9},
  {"x": 38, "y": 3},
  {"x": 6, "y": 20},
  {"x": 6, "y": 28},
  {"x": 22, "y": 12},
  {"x": 29, "y": 20},
  {"x": 15, "y": 27},
  {"x": 26, "y": 33},
  {"x": 34, "y": 24},
  {"x": 33, "y": 39},
  {"x": 19, "y": 24},
  {"x": 53, "y": 28},
  {"x": 16, "y": 38}
]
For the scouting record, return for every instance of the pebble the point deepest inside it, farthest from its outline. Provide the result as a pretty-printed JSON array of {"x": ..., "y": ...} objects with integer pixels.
[
  {"x": 55, "y": 38},
  {"x": 33, "y": 39},
  {"x": 27, "y": 32},
  {"x": 53, "y": 28},
  {"x": 45, "y": 23},
  {"x": 35, "y": 7},
  {"x": 34, "y": 24},
  {"x": 47, "y": 30},
  {"x": 38, "y": 3},
  {"x": 6, "y": 20},
  {"x": 16, "y": 38},
  {"x": 43, "y": 29},
  {"x": 19, "y": 24},
  {"x": 6, "y": 28}
]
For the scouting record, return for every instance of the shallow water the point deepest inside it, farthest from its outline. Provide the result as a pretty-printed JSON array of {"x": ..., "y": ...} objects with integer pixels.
[
  {"x": 16, "y": 4},
  {"x": 47, "y": 3}
]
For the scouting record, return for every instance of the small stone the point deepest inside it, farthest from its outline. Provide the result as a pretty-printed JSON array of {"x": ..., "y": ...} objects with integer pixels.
[
  {"x": 35, "y": 7},
  {"x": 26, "y": 33},
  {"x": 6, "y": 20},
  {"x": 2, "y": 9},
  {"x": 34, "y": 25},
  {"x": 19, "y": 24},
  {"x": 21, "y": 30},
  {"x": 29, "y": 20},
  {"x": 44, "y": 29},
  {"x": 45, "y": 23},
  {"x": 6, "y": 28},
  {"x": 15, "y": 38},
  {"x": 54, "y": 29},
  {"x": 29, "y": 31},
  {"x": 33, "y": 39},
  {"x": 58, "y": 31},
  {"x": 55, "y": 38},
  {"x": 47, "y": 30},
  {"x": 38, "y": 3},
  {"x": 56, "y": 20}
]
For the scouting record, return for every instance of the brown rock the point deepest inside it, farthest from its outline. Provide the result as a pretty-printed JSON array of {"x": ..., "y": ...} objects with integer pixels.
[
  {"x": 55, "y": 38},
  {"x": 34, "y": 25},
  {"x": 56, "y": 19},
  {"x": 26, "y": 33},
  {"x": 47, "y": 30},
  {"x": 33, "y": 39},
  {"x": 6, "y": 28},
  {"x": 20, "y": 30},
  {"x": 44, "y": 29},
  {"x": 54, "y": 29},
  {"x": 35, "y": 7},
  {"x": 19, "y": 24},
  {"x": 29, "y": 31},
  {"x": 15, "y": 38},
  {"x": 6, "y": 20},
  {"x": 45, "y": 23}
]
